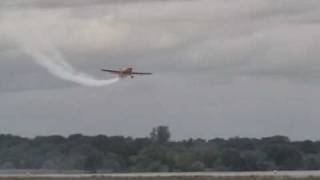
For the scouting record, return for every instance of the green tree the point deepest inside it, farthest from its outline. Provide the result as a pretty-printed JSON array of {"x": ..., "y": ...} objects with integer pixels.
[
  {"x": 231, "y": 158},
  {"x": 308, "y": 147},
  {"x": 285, "y": 156},
  {"x": 160, "y": 134},
  {"x": 312, "y": 164},
  {"x": 93, "y": 162},
  {"x": 151, "y": 158},
  {"x": 197, "y": 166}
]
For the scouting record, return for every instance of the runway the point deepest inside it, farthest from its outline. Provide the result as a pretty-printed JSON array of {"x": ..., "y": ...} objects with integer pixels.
[{"x": 175, "y": 174}]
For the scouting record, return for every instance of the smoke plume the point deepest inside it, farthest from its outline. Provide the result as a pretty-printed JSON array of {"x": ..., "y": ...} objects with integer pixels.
[
  {"x": 53, "y": 61},
  {"x": 34, "y": 40}
]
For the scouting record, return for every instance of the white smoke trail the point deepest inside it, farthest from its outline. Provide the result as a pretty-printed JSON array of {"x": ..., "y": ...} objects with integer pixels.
[
  {"x": 36, "y": 41},
  {"x": 56, "y": 65}
]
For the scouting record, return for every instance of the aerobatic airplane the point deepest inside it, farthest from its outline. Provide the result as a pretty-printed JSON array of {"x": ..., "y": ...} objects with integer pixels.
[{"x": 122, "y": 73}]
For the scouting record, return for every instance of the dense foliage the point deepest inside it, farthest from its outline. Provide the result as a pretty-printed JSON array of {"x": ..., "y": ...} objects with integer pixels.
[{"x": 156, "y": 153}]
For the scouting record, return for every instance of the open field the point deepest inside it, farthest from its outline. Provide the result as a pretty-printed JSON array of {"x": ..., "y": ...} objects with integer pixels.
[{"x": 270, "y": 175}]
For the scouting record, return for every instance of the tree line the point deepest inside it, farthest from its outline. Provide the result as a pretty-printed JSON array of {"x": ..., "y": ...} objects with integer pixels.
[{"x": 157, "y": 153}]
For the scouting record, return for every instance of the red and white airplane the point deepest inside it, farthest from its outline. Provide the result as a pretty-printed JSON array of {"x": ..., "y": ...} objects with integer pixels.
[{"x": 122, "y": 73}]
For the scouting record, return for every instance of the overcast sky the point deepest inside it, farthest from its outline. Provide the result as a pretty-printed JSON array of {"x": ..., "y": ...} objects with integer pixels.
[{"x": 222, "y": 68}]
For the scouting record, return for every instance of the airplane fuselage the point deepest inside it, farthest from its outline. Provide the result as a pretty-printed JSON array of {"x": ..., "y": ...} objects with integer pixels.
[{"x": 125, "y": 72}]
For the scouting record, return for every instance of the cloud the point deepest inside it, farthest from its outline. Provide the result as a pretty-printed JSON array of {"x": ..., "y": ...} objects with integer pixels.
[
  {"x": 71, "y": 3},
  {"x": 247, "y": 67},
  {"x": 258, "y": 39}
]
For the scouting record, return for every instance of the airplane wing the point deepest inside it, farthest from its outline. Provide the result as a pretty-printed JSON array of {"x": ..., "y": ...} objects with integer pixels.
[
  {"x": 141, "y": 73},
  {"x": 111, "y": 71}
]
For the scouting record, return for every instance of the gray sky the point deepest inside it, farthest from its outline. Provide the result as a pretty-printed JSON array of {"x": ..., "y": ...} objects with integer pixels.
[{"x": 222, "y": 68}]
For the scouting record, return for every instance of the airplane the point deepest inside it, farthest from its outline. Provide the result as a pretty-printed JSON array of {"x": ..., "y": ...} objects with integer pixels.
[{"x": 122, "y": 73}]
